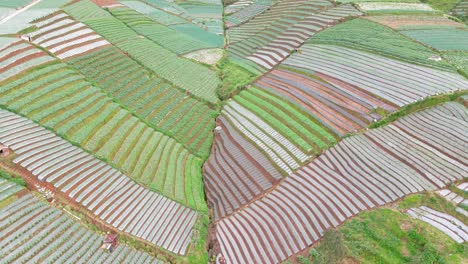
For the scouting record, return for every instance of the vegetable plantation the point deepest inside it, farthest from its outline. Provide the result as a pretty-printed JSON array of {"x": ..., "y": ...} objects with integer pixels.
[
  {"x": 233, "y": 132},
  {"x": 32, "y": 230}
]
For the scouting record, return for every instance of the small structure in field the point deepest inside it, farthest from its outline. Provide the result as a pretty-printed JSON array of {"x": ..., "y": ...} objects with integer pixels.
[
  {"x": 110, "y": 242},
  {"x": 4, "y": 151}
]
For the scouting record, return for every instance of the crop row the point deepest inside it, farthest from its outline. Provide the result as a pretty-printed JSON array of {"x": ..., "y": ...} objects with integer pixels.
[
  {"x": 163, "y": 35},
  {"x": 423, "y": 151},
  {"x": 398, "y": 82},
  {"x": 65, "y": 37},
  {"x": 8, "y": 188},
  {"x": 40, "y": 233},
  {"x": 103, "y": 190},
  {"x": 278, "y": 48},
  {"x": 151, "y": 98},
  {"x": 60, "y": 99},
  {"x": 18, "y": 57},
  {"x": 279, "y": 148},
  {"x": 190, "y": 76},
  {"x": 450, "y": 39},
  {"x": 236, "y": 171},
  {"x": 461, "y": 9},
  {"x": 236, "y": 6},
  {"x": 245, "y": 12},
  {"x": 338, "y": 105},
  {"x": 275, "y": 20},
  {"x": 448, "y": 224},
  {"x": 452, "y": 197},
  {"x": 157, "y": 15}
]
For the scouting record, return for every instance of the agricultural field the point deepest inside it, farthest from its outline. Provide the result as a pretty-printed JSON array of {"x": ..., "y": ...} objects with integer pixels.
[
  {"x": 234, "y": 132},
  {"x": 461, "y": 9},
  {"x": 359, "y": 173},
  {"x": 33, "y": 230},
  {"x": 90, "y": 119}
]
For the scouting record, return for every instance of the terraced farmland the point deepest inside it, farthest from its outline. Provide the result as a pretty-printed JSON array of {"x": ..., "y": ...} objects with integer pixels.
[
  {"x": 34, "y": 231},
  {"x": 65, "y": 37},
  {"x": 359, "y": 173},
  {"x": 87, "y": 117},
  {"x": 192, "y": 77},
  {"x": 389, "y": 79},
  {"x": 104, "y": 191},
  {"x": 17, "y": 56},
  {"x": 451, "y": 226},
  {"x": 338, "y": 105},
  {"x": 461, "y": 9},
  {"x": 270, "y": 37},
  {"x": 233, "y": 132}
]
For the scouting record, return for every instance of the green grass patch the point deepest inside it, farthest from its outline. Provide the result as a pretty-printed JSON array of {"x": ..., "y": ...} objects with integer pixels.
[
  {"x": 233, "y": 78},
  {"x": 389, "y": 235}
]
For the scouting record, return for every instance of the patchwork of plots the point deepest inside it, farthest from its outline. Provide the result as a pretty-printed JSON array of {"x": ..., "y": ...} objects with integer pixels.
[
  {"x": 155, "y": 100},
  {"x": 60, "y": 99},
  {"x": 32, "y": 231},
  {"x": 396, "y": 81},
  {"x": 437, "y": 32},
  {"x": 17, "y": 15},
  {"x": 161, "y": 104},
  {"x": 423, "y": 151},
  {"x": 192, "y": 77},
  {"x": 206, "y": 14},
  {"x": 448, "y": 224},
  {"x": 338, "y": 105},
  {"x": 267, "y": 39},
  {"x": 387, "y": 42},
  {"x": 169, "y": 38},
  {"x": 101, "y": 189}
]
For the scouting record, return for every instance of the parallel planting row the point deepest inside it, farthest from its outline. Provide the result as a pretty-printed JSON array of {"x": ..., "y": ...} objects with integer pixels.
[
  {"x": 163, "y": 35},
  {"x": 423, "y": 151},
  {"x": 395, "y": 81},
  {"x": 107, "y": 193},
  {"x": 340, "y": 106},
  {"x": 194, "y": 78},
  {"x": 65, "y": 37},
  {"x": 269, "y": 54},
  {"x": 242, "y": 11},
  {"x": 17, "y": 56},
  {"x": 60, "y": 99},
  {"x": 448, "y": 224},
  {"x": 155, "y": 100},
  {"x": 35, "y": 232}
]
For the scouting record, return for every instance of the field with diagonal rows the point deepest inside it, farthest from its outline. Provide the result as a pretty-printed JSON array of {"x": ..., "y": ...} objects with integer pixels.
[{"x": 234, "y": 131}]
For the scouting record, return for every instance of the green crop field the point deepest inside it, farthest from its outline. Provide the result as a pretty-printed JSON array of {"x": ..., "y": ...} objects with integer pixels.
[{"x": 371, "y": 36}]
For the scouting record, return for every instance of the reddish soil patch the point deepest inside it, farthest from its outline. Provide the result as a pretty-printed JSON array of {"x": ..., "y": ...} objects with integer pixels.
[{"x": 105, "y": 3}]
